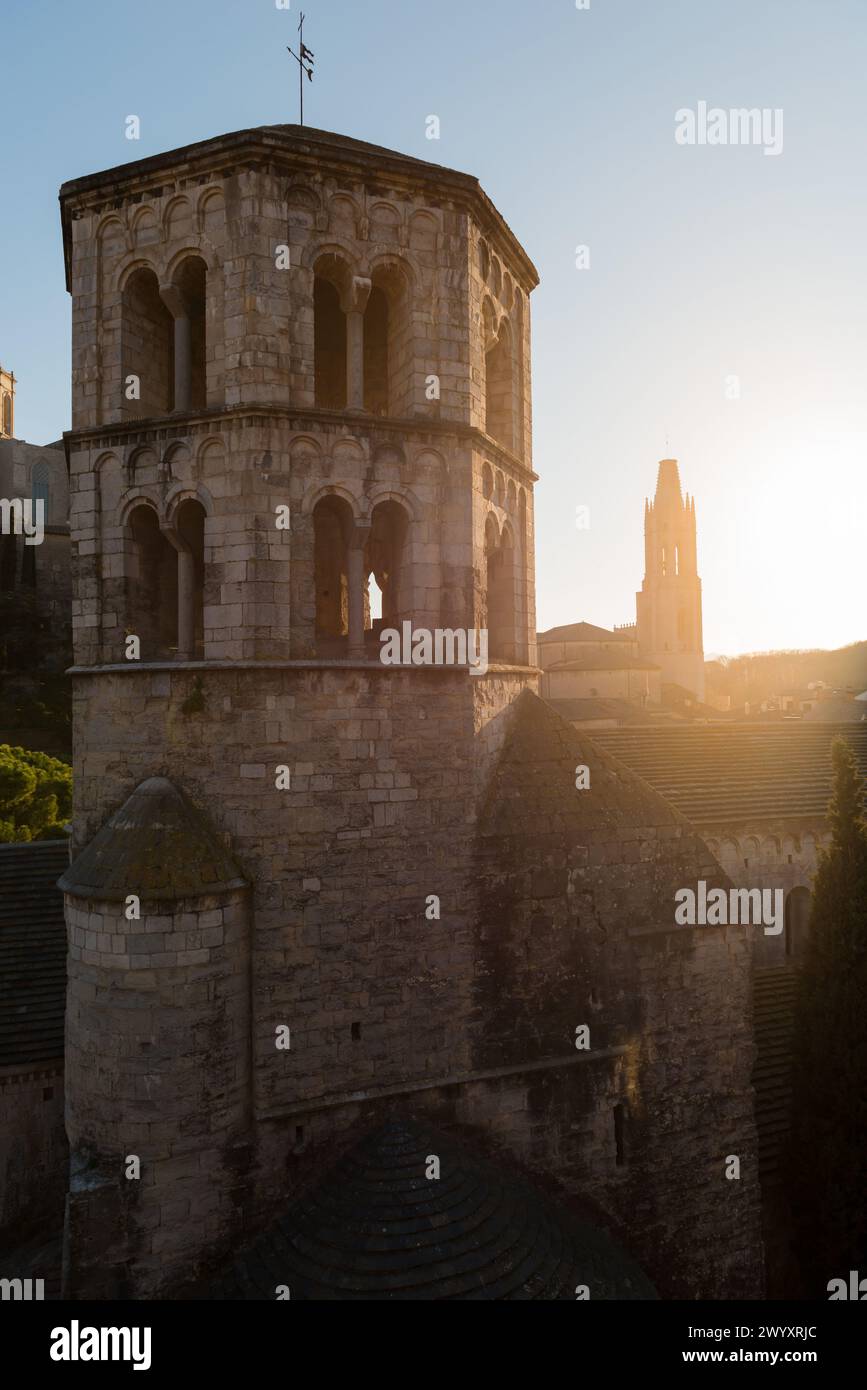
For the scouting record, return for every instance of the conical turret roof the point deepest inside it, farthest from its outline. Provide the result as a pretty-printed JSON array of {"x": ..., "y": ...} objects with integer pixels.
[{"x": 157, "y": 846}]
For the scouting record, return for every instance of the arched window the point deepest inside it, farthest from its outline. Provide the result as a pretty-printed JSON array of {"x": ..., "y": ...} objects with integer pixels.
[
  {"x": 388, "y": 347},
  {"x": 332, "y": 530},
  {"x": 151, "y": 586},
  {"x": 500, "y": 569},
  {"x": 385, "y": 561},
  {"x": 7, "y": 413},
  {"x": 147, "y": 347},
  {"x": 499, "y": 389},
  {"x": 330, "y": 287},
  {"x": 191, "y": 282}
]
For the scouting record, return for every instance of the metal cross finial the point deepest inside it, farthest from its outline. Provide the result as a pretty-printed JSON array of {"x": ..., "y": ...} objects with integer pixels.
[{"x": 304, "y": 59}]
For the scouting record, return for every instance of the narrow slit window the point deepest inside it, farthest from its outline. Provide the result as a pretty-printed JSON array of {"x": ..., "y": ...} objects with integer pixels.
[{"x": 620, "y": 1157}]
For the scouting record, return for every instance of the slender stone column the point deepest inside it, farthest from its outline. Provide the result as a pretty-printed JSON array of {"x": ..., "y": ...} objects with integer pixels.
[
  {"x": 183, "y": 362},
  {"x": 186, "y": 596},
  {"x": 356, "y": 590},
  {"x": 355, "y": 360},
  {"x": 176, "y": 304},
  {"x": 186, "y": 605},
  {"x": 354, "y": 301}
]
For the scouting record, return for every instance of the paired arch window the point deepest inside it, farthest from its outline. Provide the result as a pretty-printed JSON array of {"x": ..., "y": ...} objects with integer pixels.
[
  {"x": 360, "y": 574},
  {"x": 165, "y": 582},
  {"x": 163, "y": 341},
  {"x": 361, "y": 338}
]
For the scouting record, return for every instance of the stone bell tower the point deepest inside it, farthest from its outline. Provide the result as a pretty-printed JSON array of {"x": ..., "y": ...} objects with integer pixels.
[
  {"x": 301, "y": 416},
  {"x": 669, "y": 603}
]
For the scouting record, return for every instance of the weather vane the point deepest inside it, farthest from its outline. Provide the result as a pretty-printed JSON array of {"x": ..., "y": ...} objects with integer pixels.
[{"x": 304, "y": 59}]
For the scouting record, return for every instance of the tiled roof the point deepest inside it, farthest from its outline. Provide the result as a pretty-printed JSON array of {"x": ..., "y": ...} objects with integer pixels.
[
  {"x": 377, "y": 1228},
  {"x": 737, "y": 772},
  {"x": 598, "y": 708},
  {"x": 32, "y": 952},
  {"x": 584, "y": 632},
  {"x": 841, "y": 709}
]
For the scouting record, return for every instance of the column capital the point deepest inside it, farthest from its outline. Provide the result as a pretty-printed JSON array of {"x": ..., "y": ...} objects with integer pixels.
[
  {"x": 173, "y": 537},
  {"x": 360, "y": 535},
  {"x": 175, "y": 301},
  {"x": 354, "y": 297}
]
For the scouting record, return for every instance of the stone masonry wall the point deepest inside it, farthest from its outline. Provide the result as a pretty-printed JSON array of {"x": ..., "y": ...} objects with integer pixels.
[
  {"x": 158, "y": 1066},
  {"x": 33, "y": 1148}
]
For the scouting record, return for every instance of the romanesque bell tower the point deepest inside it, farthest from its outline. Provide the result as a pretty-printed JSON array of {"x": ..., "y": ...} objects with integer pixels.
[
  {"x": 301, "y": 417},
  {"x": 669, "y": 603}
]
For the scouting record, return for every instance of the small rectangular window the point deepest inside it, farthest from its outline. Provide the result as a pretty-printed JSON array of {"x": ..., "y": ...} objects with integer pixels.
[{"x": 620, "y": 1158}]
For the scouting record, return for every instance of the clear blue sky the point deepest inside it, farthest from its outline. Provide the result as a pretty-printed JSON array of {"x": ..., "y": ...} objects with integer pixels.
[{"x": 704, "y": 262}]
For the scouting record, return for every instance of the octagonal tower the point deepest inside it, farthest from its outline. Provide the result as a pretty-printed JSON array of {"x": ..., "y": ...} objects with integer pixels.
[{"x": 301, "y": 418}]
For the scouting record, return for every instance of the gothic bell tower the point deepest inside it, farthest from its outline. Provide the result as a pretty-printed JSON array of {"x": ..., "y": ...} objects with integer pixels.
[{"x": 669, "y": 603}]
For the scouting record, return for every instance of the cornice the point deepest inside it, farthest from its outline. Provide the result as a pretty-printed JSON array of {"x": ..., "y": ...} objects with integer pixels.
[
  {"x": 305, "y": 419},
  {"x": 295, "y": 149}
]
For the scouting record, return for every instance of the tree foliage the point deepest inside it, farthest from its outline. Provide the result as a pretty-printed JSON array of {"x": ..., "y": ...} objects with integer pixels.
[
  {"x": 35, "y": 795},
  {"x": 828, "y": 1159}
]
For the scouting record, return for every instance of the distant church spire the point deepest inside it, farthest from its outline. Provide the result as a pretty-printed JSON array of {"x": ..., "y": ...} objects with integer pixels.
[{"x": 668, "y": 607}]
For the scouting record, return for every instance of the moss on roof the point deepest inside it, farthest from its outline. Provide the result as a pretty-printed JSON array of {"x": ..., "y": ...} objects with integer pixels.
[{"x": 158, "y": 846}]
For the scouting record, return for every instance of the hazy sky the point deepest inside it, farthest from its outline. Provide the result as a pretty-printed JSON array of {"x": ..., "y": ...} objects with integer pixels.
[{"x": 706, "y": 262}]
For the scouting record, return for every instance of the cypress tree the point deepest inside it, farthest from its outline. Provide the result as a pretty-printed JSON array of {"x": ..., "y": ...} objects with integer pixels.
[{"x": 828, "y": 1157}]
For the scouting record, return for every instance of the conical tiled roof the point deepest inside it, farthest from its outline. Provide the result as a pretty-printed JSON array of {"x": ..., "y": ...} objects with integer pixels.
[
  {"x": 157, "y": 846},
  {"x": 533, "y": 787},
  {"x": 377, "y": 1228}
]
